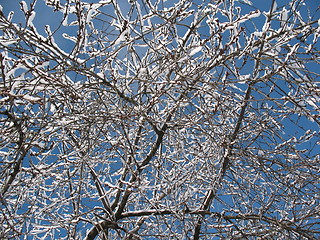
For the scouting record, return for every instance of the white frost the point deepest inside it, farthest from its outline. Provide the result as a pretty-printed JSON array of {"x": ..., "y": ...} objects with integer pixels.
[
  {"x": 121, "y": 38},
  {"x": 312, "y": 103},
  {"x": 105, "y": 1},
  {"x": 65, "y": 21},
  {"x": 255, "y": 14},
  {"x": 265, "y": 26},
  {"x": 248, "y": 2},
  {"x": 31, "y": 98},
  {"x": 101, "y": 75},
  {"x": 66, "y": 36},
  {"x": 4, "y": 153},
  {"x": 6, "y": 42},
  {"x": 284, "y": 15},
  {"x": 4, "y": 99},
  {"x": 274, "y": 6},
  {"x": 90, "y": 14},
  {"x": 243, "y": 78},
  {"x": 195, "y": 50},
  {"x": 30, "y": 19},
  {"x": 24, "y": 6}
]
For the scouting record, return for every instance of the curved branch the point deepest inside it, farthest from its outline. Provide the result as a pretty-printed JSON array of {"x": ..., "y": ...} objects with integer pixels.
[
  {"x": 225, "y": 163},
  {"x": 22, "y": 152},
  {"x": 102, "y": 226},
  {"x": 285, "y": 225}
]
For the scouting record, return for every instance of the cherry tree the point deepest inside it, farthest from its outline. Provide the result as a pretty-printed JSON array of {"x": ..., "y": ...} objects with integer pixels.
[{"x": 154, "y": 119}]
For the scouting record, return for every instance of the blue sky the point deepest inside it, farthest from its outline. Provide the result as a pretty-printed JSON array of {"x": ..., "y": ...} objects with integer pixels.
[{"x": 46, "y": 16}]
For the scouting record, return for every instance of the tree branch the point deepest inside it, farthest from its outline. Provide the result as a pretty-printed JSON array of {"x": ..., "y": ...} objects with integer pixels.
[
  {"x": 225, "y": 163},
  {"x": 21, "y": 152},
  {"x": 285, "y": 225}
]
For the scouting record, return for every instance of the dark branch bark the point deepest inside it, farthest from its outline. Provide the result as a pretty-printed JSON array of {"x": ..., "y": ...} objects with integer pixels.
[
  {"x": 102, "y": 226},
  {"x": 21, "y": 152},
  {"x": 285, "y": 225},
  {"x": 212, "y": 193}
]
